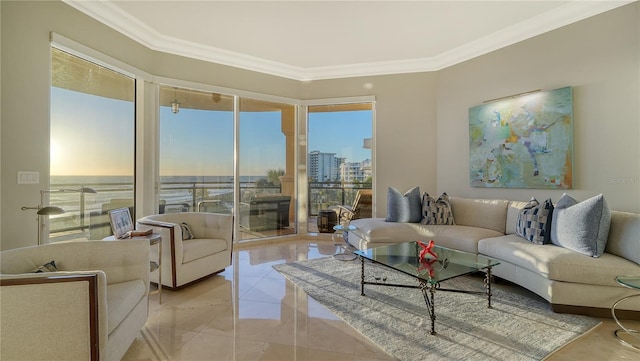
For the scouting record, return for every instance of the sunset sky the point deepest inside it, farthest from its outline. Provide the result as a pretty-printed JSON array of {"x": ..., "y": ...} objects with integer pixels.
[{"x": 93, "y": 135}]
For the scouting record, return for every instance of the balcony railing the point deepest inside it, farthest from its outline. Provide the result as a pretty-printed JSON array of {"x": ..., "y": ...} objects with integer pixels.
[
  {"x": 323, "y": 195},
  {"x": 87, "y": 211}
]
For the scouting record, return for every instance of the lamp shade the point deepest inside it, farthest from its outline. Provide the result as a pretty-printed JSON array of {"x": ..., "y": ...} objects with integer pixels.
[{"x": 50, "y": 210}]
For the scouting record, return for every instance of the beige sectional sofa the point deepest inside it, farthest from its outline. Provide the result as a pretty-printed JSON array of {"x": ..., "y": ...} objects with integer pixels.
[{"x": 570, "y": 281}]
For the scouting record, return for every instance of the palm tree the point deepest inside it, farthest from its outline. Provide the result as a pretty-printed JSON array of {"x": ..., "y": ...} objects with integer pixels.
[{"x": 272, "y": 178}]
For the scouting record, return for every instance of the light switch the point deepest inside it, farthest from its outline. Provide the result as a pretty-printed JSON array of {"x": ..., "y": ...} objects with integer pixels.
[{"x": 28, "y": 177}]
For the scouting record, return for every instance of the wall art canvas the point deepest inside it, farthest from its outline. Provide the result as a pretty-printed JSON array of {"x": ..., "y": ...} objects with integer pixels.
[{"x": 523, "y": 142}]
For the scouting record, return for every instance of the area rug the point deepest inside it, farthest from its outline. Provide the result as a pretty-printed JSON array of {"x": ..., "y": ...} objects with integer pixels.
[{"x": 518, "y": 327}]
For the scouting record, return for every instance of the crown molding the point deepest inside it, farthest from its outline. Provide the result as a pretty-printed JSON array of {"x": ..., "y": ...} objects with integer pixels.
[{"x": 109, "y": 14}]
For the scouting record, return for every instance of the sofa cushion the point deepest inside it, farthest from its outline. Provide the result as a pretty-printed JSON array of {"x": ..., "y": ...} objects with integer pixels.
[
  {"x": 436, "y": 211},
  {"x": 557, "y": 263},
  {"x": 404, "y": 208},
  {"x": 534, "y": 221},
  {"x": 377, "y": 231},
  {"x": 581, "y": 226},
  {"x": 485, "y": 213},
  {"x": 201, "y": 247},
  {"x": 121, "y": 299}
]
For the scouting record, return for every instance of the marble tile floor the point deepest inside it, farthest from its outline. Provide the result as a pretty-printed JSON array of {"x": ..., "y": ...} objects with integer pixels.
[{"x": 250, "y": 312}]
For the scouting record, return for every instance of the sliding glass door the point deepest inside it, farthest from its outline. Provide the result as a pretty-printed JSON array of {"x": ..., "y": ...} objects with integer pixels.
[
  {"x": 195, "y": 151},
  {"x": 339, "y": 159},
  {"x": 266, "y": 169},
  {"x": 198, "y": 169}
]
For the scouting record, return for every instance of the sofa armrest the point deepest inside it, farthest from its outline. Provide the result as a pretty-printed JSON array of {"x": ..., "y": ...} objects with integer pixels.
[{"x": 53, "y": 316}]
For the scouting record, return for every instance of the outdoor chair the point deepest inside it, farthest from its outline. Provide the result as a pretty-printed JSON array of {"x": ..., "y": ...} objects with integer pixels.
[{"x": 361, "y": 208}]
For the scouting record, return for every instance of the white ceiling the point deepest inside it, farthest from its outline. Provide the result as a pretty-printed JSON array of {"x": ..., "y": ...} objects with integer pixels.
[{"x": 307, "y": 40}]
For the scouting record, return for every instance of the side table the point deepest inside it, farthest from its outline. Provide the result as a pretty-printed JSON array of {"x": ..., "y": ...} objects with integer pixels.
[
  {"x": 630, "y": 282},
  {"x": 346, "y": 253},
  {"x": 154, "y": 240}
]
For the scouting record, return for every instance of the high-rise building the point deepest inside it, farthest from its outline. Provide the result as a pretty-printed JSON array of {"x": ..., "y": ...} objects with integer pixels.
[
  {"x": 355, "y": 171},
  {"x": 323, "y": 167}
]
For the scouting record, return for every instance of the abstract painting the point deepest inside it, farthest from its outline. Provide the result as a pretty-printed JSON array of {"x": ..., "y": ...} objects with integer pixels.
[{"x": 523, "y": 142}]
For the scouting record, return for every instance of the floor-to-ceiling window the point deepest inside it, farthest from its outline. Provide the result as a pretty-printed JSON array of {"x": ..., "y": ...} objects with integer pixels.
[
  {"x": 199, "y": 170},
  {"x": 339, "y": 159},
  {"x": 196, "y": 151},
  {"x": 216, "y": 150},
  {"x": 267, "y": 139},
  {"x": 92, "y": 147}
]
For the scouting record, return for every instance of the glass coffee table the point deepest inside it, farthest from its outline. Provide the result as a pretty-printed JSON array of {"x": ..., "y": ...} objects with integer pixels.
[
  {"x": 345, "y": 252},
  {"x": 429, "y": 272}
]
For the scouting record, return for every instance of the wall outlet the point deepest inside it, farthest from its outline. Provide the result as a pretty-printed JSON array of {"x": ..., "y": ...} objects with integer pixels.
[{"x": 28, "y": 177}]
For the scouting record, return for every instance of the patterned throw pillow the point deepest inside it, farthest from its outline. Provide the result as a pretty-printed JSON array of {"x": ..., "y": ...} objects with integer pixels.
[
  {"x": 534, "y": 221},
  {"x": 436, "y": 211},
  {"x": 47, "y": 267},
  {"x": 186, "y": 231},
  {"x": 403, "y": 208}
]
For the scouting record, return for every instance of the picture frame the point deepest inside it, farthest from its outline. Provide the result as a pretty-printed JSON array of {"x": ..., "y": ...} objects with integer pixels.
[{"x": 121, "y": 222}]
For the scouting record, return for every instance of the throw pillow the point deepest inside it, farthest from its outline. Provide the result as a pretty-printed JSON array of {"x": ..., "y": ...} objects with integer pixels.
[
  {"x": 403, "y": 208},
  {"x": 186, "y": 231},
  {"x": 534, "y": 221},
  {"x": 581, "y": 226},
  {"x": 436, "y": 211},
  {"x": 47, "y": 267}
]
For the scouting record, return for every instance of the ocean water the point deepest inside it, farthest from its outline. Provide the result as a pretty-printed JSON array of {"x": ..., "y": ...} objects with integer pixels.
[
  {"x": 103, "y": 180},
  {"x": 175, "y": 190}
]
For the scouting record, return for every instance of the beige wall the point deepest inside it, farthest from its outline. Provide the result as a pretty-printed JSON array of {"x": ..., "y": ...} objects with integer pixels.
[
  {"x": 600, "y": 58},
  {"x": 421, "y": 119}
]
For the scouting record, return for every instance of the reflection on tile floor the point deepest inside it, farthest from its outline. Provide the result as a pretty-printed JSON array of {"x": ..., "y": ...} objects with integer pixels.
[{"x": 250, "y": 312}]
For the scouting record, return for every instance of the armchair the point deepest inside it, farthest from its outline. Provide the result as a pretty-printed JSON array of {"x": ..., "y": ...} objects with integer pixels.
[
  {"x": 92, "y": 308},
  {"x": 185, "y": 260}
]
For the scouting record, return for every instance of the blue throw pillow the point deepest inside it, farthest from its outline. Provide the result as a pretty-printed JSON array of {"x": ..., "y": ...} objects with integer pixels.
[
  {"x": 404, "y": 208},
  {"x": 534, "y": 221},
  {"x": 581, "y": 226}
]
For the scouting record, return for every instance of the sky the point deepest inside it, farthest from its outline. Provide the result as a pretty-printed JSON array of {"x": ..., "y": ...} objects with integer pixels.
[
  {"x": 92, "y": 135},
  {"x": 342, "y": 133}
]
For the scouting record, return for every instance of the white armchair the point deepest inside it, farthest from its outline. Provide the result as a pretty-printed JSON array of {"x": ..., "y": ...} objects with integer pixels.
[
  {"x": 92, "y": 308},
  {"x": 184, "y": 260}
]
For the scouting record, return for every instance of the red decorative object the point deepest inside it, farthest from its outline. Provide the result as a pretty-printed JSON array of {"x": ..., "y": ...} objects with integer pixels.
[
  {"x": 428, "y": 265},
  {"x": 427, "y": 249}
]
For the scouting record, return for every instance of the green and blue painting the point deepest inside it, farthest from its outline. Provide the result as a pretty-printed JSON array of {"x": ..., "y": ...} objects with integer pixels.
[{"x": 523, "y": 142}]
